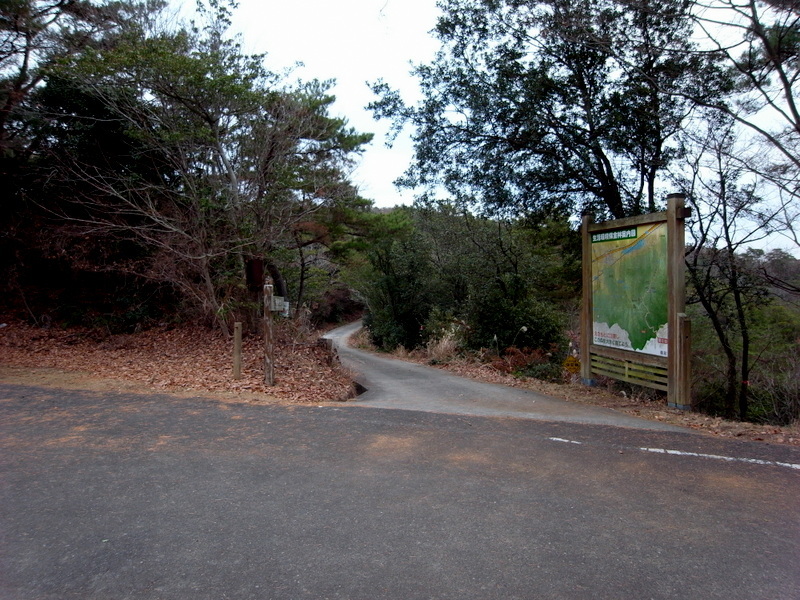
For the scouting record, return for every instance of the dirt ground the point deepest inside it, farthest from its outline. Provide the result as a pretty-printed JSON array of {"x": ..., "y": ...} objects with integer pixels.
[{"x": 189, "y": 361}]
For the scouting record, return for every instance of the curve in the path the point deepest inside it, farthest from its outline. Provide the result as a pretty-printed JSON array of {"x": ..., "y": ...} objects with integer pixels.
[{"x": 396, "y": 384}]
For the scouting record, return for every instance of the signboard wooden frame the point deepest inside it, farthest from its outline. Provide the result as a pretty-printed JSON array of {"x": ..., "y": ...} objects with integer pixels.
[{"x": 669, "y": 373}]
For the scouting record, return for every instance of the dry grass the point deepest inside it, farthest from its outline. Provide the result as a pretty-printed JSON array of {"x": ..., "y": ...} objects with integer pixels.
[
  {"x": 443, "y": 350},
  {"x": 362, "y": 340}
]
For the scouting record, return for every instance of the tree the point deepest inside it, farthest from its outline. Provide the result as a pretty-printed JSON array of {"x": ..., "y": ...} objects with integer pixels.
[
  {"x": 724, "y": 280},
  {"x": 35, "y": 37},
  {"x": 396, "y": 281},
  {"x": 781, "y": 271},
  {"x": 759, "y": 42},
  {"x": 438, "y": 272},
  {"x": 538, "y": 106},
  {"x": 225, "y": 161}
]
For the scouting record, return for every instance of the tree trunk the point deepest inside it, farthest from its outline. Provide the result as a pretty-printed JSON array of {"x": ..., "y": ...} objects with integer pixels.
[
  {"x": 277, "y": 279},
  {"x": 731, "y": 372},
  {"x": 731, "y": 381},
  {"x": 744, "y": 388},
  {"x": 211, "y": 297},
  {"x": 301, "y": 286}
]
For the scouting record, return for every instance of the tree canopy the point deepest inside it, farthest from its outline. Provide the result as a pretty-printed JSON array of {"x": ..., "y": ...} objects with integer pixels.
[
  {"x": 535, "y": 106},
  {"x": 173, "y": 141}
]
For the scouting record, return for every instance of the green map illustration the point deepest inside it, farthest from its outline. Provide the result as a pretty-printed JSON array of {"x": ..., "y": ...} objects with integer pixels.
[{"x": 629, "y": 286}]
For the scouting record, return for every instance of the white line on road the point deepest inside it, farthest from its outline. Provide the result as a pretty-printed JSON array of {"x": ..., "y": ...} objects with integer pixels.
[{"x": 755, "y": 461}]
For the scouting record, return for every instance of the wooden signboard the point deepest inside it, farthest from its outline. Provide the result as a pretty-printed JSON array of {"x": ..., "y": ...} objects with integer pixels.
[{"x": 633, "y": 326}]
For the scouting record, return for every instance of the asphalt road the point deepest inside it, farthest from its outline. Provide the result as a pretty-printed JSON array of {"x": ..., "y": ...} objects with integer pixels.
[{"x": 117, "y": 496}]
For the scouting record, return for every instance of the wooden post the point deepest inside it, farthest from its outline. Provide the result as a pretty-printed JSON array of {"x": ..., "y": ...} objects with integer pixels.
[
  {"x": 269, "y": 342},
  {"x": 679, "y": 344},
  {"x": 586, "y": 309},
  {"x": 237, "y": 350},
  {"x": 682, "y": 397}
]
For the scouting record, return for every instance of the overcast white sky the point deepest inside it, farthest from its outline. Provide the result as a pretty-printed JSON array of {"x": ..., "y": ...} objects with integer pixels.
[{"x": 351, "y": 41}]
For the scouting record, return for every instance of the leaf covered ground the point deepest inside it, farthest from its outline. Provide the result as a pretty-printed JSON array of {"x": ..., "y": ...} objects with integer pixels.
[
  {"x": 180, "y": 359},
  {"x": 192, "y": 360}
]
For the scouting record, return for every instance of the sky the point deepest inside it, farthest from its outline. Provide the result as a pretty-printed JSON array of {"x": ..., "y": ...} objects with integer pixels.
[{"x": 353, "y": 42}]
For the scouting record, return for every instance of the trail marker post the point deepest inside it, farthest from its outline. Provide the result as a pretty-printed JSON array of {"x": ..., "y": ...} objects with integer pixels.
[
  {"x": 237, "y": 350},
  {"x": 269, "y": 341}
]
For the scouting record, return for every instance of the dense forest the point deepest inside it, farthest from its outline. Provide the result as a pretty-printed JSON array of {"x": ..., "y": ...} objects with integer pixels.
[{"x": 153, "y": 171}]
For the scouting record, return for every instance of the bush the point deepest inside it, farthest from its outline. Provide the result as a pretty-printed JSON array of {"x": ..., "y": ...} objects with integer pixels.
[
  {"x": 774, "y": 380},
  {"x": 775, "y": 393},
  {"x": 388, "y": 333},
  {"x": 507, "y": 316}
]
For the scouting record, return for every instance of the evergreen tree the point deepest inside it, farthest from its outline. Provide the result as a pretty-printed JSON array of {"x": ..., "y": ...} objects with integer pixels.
[{"x": 532, "y": 106}]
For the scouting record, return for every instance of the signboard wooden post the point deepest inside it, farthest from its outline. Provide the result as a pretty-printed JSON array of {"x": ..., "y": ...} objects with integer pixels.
[
  {"x": 633, "y": 326},
  {"x": 679, "y": 393}
]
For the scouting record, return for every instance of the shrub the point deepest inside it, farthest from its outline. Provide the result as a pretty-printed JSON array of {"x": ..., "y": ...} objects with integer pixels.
[
  {"x": 507, "y": 315},
  {"x": 774, "y": 380}
]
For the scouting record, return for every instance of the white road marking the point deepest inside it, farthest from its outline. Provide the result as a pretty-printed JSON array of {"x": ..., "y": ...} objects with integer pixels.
[{"x": 755, "y": 461}]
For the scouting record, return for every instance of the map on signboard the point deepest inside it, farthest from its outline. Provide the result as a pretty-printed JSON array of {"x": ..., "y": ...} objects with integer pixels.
[{"x": 630, "y": 288}]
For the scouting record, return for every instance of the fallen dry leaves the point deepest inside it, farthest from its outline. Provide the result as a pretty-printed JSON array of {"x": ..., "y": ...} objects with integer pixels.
[{"x": 183, "y": 358}]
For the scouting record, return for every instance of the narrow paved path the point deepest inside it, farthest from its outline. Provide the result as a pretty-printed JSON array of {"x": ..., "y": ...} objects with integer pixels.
[{"x": 392, "y": 383}]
